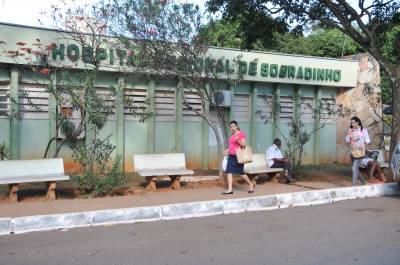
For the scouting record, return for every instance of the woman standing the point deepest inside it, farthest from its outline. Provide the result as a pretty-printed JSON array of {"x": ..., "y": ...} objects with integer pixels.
[
  {"x": 237, "y": 140},
  {"x": 357, "y": 137}
]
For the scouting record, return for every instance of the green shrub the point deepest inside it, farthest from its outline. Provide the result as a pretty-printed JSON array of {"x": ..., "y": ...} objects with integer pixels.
[
  {"x": 99, "y": 173},
  {"x": 5, "y": 153}
]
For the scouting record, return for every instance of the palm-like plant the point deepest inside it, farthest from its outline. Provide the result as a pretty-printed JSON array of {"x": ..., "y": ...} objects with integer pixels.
[{"x": 4, "y": 152}]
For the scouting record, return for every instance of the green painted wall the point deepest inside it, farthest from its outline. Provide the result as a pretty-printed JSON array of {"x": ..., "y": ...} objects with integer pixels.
[
  {"x": 286, "y": 89},
  {"x": 34, "y": 135},
  {"x": 328, "y": 151},
  {"x": 165, "y": 137},
  {"x": 135, "y": 141},
  {"x": 192, "y": 143},
  {"x": 264, "y": 134},
  {"x": 308, "y": 148},
  {"x": 5, "y": 131},
  {"x": 264, "y": 89}
]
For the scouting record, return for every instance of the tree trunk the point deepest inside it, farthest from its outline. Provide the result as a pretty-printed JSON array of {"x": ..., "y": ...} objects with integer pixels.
[
  {"x": 48, "y": 146},
  {"x": 395, "y": 134},
  {"x": 58, "y": 149},
  {"x": 219, "y": 147}
]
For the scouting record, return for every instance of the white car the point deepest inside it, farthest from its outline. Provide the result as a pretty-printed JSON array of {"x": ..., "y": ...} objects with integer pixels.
[{"x": 395, "y": 163}]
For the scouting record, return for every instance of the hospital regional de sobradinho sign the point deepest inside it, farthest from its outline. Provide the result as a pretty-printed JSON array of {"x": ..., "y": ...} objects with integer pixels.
[{"x": 253, "y": 68}]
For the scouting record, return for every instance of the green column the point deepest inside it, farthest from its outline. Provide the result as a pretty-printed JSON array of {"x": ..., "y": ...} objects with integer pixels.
[
  {"x": 230, "y": 111},
  {"x": 296, "y": 110},
  {"x": 151, "y": 122},
  {"x": 14, "y": 119},
  {"x": 52, "y": 115},
  {"x": 120, "y": 119},
  {"x": 179, "y": 119},
  {"x": 316, "y": 136},
  {"x": 253, "y": 118},
  {"x": 275, "y": 123},
  {"x": 205, "y": 134}
]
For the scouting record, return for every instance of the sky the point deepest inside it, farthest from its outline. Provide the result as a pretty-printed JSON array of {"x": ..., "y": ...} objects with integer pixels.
[{"x": 27, "y": 12}]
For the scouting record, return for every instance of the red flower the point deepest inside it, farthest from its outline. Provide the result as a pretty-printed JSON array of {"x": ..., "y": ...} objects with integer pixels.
[
  {"x": 37, "y": 53},
  {"x": 152, "y": 31},
  {"x": 45, "y": 71},
  {"x": 130, "y": 53},
  {"x": 50, "y": 47},
  {"x": 13, "y": 53},
  {"x": 28, "y": 50}
]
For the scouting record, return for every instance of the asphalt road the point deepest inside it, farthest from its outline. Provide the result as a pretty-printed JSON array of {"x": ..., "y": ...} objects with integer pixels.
[{"x": 363, "y": 231}]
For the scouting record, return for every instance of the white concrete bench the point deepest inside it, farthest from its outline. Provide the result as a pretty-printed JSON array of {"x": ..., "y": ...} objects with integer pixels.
[
  {"x": 152, "y": 166},
  {"x": 13, "y": 172},
  {"x": 380, "y": 159},
  {"x": 259, "y": 166}
]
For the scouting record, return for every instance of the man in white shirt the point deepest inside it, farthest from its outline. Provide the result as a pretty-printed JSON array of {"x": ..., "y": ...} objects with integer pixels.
[{"x": 275, "y": 159}]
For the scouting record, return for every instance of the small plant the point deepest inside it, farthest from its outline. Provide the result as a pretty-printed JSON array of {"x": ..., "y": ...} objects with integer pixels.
[
  {"x": 299, "y": 135},
  {"x": 5, "y": 153},
  {"x": 100, "y": 174}
]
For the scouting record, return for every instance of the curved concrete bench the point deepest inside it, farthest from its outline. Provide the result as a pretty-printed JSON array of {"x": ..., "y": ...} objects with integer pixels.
[
  {"x": 380, "y": 160},
  {"x": 259, "y": 166},
  {"x": 152, "y": 166},
  {"x": 13, "y": 172}
]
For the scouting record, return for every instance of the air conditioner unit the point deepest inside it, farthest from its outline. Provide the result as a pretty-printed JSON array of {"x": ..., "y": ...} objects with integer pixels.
[{"x": 222, "y": 99}]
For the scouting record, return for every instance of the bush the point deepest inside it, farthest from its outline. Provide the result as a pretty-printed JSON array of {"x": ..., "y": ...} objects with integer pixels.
[
  {"x": 5, "y": 153},
  {"x": 99, "y": 173}
]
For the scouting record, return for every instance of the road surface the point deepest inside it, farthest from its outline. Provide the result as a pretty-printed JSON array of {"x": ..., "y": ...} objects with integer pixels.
[{"x": 363, "y": 231}]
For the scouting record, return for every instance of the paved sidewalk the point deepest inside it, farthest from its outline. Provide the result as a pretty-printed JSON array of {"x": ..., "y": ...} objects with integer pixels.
[{"x": 164, "y": 196}]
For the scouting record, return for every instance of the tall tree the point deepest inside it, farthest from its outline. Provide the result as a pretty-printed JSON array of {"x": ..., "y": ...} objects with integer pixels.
[
  {"x": 165, "y": 40},
  {"x": 369, "y": 23},
  {"x": 240, "y": 31}
]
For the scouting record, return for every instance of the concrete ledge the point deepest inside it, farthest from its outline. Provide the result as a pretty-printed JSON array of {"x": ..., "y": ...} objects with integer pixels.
[
  {"x": 390, "y": 189},
  {"x": 193, "y": 209},
  {"x": 129, "y": 215},
  {"x": 263, "y": 203},
  {"x": 304, "y": 198},
  {"x": 26, "y": 224},
  {"x": 5, "y": 226}
]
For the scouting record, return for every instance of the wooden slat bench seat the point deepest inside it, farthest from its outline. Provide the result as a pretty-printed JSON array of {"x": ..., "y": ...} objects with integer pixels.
[
  {"x": 13, "y": 172},
  {"x": 152, "y": 166}
]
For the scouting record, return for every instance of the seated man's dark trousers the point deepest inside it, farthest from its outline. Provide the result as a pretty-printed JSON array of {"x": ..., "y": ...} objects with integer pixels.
[{"x": 285, "y": 166}]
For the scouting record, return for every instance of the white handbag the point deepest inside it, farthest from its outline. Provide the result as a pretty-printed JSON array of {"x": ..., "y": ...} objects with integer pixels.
[{"x": 224, "y": 163}]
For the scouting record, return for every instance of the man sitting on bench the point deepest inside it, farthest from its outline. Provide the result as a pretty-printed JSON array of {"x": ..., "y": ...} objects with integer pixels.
[
  {"x": 369, "y": 162},
  {"x": 275, "y": 159}
]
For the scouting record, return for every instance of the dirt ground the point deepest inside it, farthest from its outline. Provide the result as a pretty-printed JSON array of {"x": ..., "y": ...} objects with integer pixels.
[{"x": 332, "y": 173}]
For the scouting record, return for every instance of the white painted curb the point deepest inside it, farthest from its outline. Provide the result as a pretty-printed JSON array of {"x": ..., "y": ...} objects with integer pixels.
[{"x": 27, "y": 224}]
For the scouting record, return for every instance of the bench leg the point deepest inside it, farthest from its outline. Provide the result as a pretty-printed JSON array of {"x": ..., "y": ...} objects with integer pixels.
[
  {"x": 50, "y": 190},
  {"x": 279, "y": 177},
  {"x": 151, "y": 184},
  {"x": 13, "y": 189},
  {"x": 175, "y": 184}
]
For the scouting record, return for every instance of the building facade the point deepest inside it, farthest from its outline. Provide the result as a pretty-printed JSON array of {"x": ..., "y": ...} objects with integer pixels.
[{"x": 174, "y": 128}]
